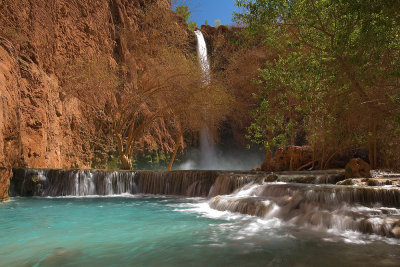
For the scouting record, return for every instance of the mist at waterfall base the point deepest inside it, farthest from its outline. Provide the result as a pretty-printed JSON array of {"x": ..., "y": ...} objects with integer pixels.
[
  {"x": 149, "y": 231},
  {"x": 218, "y": 157},
  {"x": 210, "y": 156}
]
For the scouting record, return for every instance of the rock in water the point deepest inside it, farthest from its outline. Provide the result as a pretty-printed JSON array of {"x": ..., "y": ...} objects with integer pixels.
[
  {"x": 357, "y": 168},
  {"x": 296, "y": 156}
]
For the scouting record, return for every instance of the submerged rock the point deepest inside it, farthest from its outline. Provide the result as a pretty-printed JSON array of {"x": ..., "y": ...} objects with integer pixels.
[{"x": 60, "y": 256}]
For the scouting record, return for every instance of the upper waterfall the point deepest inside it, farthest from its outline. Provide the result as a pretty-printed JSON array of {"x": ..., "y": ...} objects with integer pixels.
[
  {"x": 207, "y": 149},
  {"x": 202, "y": 55}
]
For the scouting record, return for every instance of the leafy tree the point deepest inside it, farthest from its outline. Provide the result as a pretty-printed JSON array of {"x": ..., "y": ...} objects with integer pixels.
[
  {"x": 354, "y": 46},
  {"x": 140, "y": 101},
  {"x": 192, "y": 25},
  {"x": 183, "y": 12},
  {"x": 206, "y": 22},
  {"x": 217, "y": 23}
]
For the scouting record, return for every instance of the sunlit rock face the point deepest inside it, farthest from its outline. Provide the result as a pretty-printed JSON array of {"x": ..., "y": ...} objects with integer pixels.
[{"x": 40, "y": 125}]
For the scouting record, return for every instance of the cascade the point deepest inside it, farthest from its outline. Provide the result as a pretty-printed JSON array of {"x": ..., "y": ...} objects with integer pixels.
[
  {"x": 207, "y": 148},
  {"x": 370, "y": 210},
  {"x": 309, "y": 199},
  {"x": 43, "y": 183}
]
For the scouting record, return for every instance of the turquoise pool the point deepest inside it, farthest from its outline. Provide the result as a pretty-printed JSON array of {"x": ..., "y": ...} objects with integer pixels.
[{"x": 151, "y": 231}]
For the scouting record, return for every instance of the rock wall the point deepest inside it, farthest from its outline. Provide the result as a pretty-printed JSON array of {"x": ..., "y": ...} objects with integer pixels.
[{"x": 40, "y": 125}]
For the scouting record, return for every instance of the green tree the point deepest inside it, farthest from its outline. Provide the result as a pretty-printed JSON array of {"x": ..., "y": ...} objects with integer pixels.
[
  {"x": 183, "y": 12},
  {"x": 192, "y": 25},
  {"x": 355, "y": 42},
  {"x": 217, "y": 23}
]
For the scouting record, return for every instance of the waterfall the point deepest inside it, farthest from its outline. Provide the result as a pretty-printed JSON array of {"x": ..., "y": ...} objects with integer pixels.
[
  {"x": 43, "y": 183},
  {"x": 304, "y": 198},
  {"x": 203, "y": 56},
  {"x": 207, "y": 149},
  {"x": 369, "y": 210}
]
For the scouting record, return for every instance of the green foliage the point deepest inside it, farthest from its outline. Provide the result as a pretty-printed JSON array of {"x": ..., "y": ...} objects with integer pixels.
[
  {"x": 183, "y": 12},
  {"x": 291, "y": 90},
  {"x": 338, "y": 67},
  {"x": 35, "y": 179},
  {"x": 152, "y": 160},
  {"x": 113, "y": 163},
  {"x": 192, "y": 25},
  {"x": 206, "y": 22},
  {"x": 217, "y": 23}
]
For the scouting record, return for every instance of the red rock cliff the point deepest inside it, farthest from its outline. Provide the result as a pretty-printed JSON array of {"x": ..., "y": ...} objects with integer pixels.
[{"x": 40, "y": 126}]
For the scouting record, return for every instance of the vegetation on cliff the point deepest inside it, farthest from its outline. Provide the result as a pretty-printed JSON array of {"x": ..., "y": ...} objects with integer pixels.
[
  {"x": 331, "y": 79},
  {"x": 122, "y": 78},
  {"x": 154, "y": 95}
]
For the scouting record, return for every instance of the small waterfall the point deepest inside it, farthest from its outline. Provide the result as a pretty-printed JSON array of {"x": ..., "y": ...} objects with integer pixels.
[
  {"x": 32, "y": 182},
  {"x": 369, "y": 210},
  {"x": 228, "y": 183},
  {"x": 306, "y": 201},
  {"x": 207, "y": 148}
]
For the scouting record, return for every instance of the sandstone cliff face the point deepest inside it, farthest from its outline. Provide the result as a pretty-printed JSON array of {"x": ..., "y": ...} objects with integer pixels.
[
  {"x": 9, "y": 127},
  {"x": 41, "y": 126}
]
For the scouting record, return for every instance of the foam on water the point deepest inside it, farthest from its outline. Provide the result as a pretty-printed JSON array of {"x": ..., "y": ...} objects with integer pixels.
[{"x": 169, "y": 232}]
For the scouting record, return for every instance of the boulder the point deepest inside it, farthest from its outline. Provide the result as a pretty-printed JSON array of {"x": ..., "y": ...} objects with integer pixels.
[
  {"x": 298, "y": 155},
  {"x": 345, "y": 182},
  {"x": 358, "y": 168}
]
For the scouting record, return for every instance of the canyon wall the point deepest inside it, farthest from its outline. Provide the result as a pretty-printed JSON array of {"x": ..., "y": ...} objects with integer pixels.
[{"x": 40, "y": 125}]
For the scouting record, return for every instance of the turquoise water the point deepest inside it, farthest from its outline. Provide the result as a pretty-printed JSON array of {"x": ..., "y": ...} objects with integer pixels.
[{"x": 140, "y": 231}]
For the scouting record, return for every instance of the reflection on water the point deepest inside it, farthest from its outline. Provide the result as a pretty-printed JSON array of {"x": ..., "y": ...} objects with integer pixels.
[{"x": 124, "y": 231}]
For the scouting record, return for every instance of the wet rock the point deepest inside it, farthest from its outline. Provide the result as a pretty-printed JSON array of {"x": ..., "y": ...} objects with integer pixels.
[
  {"x": 396, "y": 231},
  {"x": 271, "y": 177},
  {"x": 291, "y": 156},
  {"x": 369, "y": 182},
  {"x": 357, "y": 168},
  {"x": 323, "y": 206},
  {"x": 312, "y": 177},
  {"x": 346, "y": 182}
]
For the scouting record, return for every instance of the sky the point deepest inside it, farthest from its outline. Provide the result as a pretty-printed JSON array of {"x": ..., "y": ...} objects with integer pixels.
[{"x": 211, "y": 10}]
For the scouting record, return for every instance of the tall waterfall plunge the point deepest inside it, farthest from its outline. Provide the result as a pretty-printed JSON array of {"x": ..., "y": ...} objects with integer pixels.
[
  {"x": 209, "y": 156},
  {"x": 207, "y": 148}
]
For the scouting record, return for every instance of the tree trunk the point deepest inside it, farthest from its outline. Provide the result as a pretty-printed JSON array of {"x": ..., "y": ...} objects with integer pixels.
[
  {"x": 375, "y": 148},
  {"x": 322, "y": 158},
  {"x": 125, "y": 160},
  {"x": 291, "y": 151},
  {"x": 370, "y": 151},
  {"x": 291, "y": 159},
  {"x": 177, "y": 145},
  {"x": 313, "y": 158}
]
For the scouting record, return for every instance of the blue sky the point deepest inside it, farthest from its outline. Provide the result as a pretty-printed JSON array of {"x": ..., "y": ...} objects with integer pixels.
[{"x": 211, "y": 10}]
